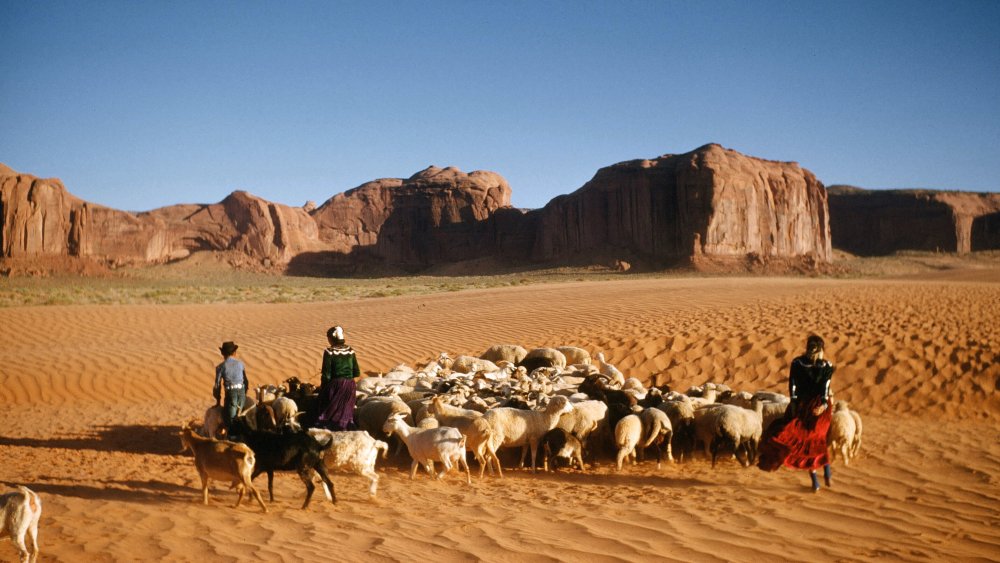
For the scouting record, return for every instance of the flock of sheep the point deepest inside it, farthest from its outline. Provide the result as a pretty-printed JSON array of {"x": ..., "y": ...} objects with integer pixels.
[
  {"x": 559, "y": 404},
  {"x": 556, "y": 403}
]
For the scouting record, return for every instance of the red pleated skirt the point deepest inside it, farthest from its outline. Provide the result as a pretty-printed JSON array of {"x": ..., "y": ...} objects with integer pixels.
[{"x": 798, "y": 442}]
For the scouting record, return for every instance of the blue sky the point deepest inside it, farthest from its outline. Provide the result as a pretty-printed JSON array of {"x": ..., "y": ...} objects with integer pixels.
[{"x": 136, "y": 105}]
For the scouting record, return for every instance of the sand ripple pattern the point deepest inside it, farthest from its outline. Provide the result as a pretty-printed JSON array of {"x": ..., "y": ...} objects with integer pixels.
[{"x": 94, "y": 396}]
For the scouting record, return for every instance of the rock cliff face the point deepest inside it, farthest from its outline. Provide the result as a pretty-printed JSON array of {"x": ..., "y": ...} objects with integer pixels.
[
  {"x": 880, "y": 222},
  {"x": 711, "y": 202},
  {"x": 39, "y": 218},
  {"x": 435, "y": 216},
  {"x": 265, "y": 233},
  {"x": 708, "y": 204}
]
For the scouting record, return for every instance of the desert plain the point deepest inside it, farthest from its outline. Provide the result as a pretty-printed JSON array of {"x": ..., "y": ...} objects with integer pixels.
[{"x": 94, "y": 394}]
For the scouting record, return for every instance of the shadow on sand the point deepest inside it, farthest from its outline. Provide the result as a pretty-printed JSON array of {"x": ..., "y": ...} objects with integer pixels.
[
  {"x": 145, "y": 492},
  {"x": 136, "y": 439}
]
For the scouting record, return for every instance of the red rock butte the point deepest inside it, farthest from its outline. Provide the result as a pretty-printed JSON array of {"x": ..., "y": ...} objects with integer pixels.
[{"x": 711, "y": 207}]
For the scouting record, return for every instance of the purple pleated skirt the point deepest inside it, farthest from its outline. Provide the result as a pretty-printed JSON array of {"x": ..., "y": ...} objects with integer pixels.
[{"x": 337, "y": 412}]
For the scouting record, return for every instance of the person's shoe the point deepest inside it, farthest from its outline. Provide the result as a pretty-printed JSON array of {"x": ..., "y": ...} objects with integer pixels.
[{"x": 815, "y": 481}]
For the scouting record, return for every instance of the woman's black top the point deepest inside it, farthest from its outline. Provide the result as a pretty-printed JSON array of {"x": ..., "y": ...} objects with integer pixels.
[{"x": 809, "y": 380}]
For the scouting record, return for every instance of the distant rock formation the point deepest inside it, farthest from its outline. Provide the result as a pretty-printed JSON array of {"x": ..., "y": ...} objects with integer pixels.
[
  {"x": 708, "y": 203},
  {"x": 39, "y": 218},
  {"x": 881, "y": 222},
  {"x": 436, "y": 216}
]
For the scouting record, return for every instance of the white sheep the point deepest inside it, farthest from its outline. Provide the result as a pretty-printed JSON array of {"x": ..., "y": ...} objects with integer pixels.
[
  {"x": 20, "y": 511},
  {"x": 702, "y": 396},
  {"x": 471, "y": 364},
  {"x": 740, "y": 429},
  {"x": 584, "y": 419},
  {"x": 543, "y": 357},
  {"x": 771, "y": 396},
  {"x": 657, "y": 429},
  {"x": 841, "y": 435},
  {"x": 524, "y": 428},
  {"x": 373, "y": 412},
  {"x": 213, "y": 421},
  {"x": 772, "y": 411},
  {"x": 856, "y": 446},
  {"x": 575, "y": 356},
  {"x": 476, "y": 430},
  {"x": 285, "y": 410},
  {"x": 610, "y": 372},
  {"x": 231, "y": 462},
  {"x": 628, "y": 433},
  {"x": 681, "y": 415},
  {"x": 444, "y": 444},
  {"x": 497, "y": 353},
  {"x": 703, "y": 425},
  {"x": 354, "y": 451}
]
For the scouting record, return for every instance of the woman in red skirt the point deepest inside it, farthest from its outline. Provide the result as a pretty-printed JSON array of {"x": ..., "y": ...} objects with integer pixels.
[{"x": 799, "y": 439}]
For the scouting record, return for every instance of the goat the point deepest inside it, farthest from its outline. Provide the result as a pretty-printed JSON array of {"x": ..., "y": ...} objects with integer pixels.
[
  {"x": 288, "y": 451},
  {"x": 19, "y": 514},
  {"x": 223, "y": 460},
  {"x": 427, "y": 445},
  {"x": 353, "y": 451}
]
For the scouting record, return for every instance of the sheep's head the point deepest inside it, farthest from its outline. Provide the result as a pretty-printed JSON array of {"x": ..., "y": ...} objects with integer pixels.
[
  {"x": 559, "y": 405},
  {"x": 435, "y": 405},
  {"x": 392, "y": 423},
  {"x": 445, "y": 361}
]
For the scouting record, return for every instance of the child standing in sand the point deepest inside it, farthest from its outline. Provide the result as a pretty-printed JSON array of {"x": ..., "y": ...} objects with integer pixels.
[
  {"x": 799, "y": 439},
  {"x": 337, "y": 387},
  {"x": 231, "y": 376}
]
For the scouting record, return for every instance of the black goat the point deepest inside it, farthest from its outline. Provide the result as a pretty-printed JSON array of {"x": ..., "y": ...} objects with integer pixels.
[
  {"x": 287, "y": 451},
  {"x": 556, "y": 445},
  {"x": 306, "y": 398}
]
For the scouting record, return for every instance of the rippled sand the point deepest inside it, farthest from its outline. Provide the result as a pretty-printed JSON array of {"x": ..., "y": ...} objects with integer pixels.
[{"x": 94, "y": 396}]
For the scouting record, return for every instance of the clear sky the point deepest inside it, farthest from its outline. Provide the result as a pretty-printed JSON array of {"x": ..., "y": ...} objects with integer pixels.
[{"x": 136, "y": 105}]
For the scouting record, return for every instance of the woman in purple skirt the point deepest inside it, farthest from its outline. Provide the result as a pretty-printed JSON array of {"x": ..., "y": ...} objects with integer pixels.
[{"x": 337, "y": 388}]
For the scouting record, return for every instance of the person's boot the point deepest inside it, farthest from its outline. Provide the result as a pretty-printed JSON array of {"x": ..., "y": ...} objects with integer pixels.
[
  {"x": 815, "y": 480},
  {"x": 828, "y": 475}
]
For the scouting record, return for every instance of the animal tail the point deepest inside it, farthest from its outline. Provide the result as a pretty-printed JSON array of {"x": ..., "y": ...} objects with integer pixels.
[
  {"x": 322, "y": 437},
  {"x": 34, "y": 503},
  {"x": 380, "y": 445},
  {"x": 653, "y": 433}
]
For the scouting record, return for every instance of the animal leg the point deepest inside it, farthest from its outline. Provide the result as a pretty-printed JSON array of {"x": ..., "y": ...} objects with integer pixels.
[
  {"x": 327, "y": 483},
  {"x": 373, "y": 477},
  {"x": 33, "y": 535},
  {"x": 306, "y": 476},
  {"x": 413, "y": 469},
  {"x": 204, "y": 489},
  {"x": 240, "y": 489},
  {"x": 534, "y": 454},
  {"x": 256, "y": 495},
  {"x": 465, "y": 463},
  {"x": 18, "y": 539}
]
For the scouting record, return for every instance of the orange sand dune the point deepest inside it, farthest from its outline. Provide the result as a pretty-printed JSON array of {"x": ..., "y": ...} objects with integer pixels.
[{"x": 94, "y": 396}]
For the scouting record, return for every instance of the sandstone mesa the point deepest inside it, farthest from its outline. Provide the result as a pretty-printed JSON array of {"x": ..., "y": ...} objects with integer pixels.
[{"x": 711, "y": 207}]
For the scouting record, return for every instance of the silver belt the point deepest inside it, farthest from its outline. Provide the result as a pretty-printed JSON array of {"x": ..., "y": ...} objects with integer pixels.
[{"x": 238, "y": 386}]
